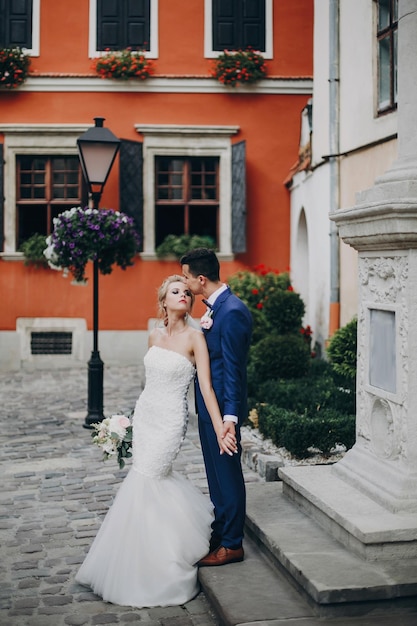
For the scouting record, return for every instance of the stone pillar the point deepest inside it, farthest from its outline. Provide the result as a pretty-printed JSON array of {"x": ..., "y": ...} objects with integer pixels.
[{"x": 383, "y": 228}]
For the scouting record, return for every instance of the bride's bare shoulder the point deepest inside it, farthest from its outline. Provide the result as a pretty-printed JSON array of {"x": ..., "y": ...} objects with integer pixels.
[{"x": 156, "y": 334}]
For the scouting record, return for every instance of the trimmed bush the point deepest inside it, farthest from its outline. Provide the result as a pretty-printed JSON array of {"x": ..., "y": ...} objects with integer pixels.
[
  {"x": 278, "y": 356},
  {"x": 297, "y": 433},
  {"x": 284, "y": 311},
  {"x": 342, "y": 350},
  {"x": 305, "y": 394}
]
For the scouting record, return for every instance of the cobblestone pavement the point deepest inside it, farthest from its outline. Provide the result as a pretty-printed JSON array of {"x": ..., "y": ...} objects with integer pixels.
[{"x": 55, "y": 492}]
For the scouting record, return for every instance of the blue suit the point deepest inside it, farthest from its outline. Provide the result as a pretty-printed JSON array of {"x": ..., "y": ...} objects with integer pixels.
[{"x": 228, "y": 342}]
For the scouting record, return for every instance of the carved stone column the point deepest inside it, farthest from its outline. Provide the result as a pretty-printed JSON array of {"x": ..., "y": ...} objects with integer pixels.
[{"x": 383, "y": 228}]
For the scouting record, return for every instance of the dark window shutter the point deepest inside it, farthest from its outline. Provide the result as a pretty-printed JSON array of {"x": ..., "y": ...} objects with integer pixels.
[
  {"x": 239, "y": 197},
  {"x": 131, "y": 182},
  {"x": 225, "y": 35},
  {"x": 109, "y": 24},
  {"x": 16, "y": 23},
  {"x": 238, "y": 24},
  {"x": 1, "y": 199},
  {"x": 123, "y": 24},
  {"x": 138, "y": 24},
  {"x": 253, "y": 24}
]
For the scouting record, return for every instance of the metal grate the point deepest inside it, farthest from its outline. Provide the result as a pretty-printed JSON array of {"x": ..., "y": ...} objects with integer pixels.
[{"x": 51, "y": 343}]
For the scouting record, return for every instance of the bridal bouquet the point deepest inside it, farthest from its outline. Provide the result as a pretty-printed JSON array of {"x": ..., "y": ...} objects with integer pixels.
[{"x": 114, "y": 436}]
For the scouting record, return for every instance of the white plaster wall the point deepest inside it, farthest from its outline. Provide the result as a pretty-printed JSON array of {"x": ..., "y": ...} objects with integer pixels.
[
  {"x": 310, "y": 264},
  {"x": 320, "y": 138},
  {"x": 359, "y": 124}
]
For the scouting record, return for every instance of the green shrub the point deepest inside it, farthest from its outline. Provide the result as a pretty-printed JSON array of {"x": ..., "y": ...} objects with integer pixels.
[
  {"x": 297, "y": 433},
  {"x": 342, "y": 350},
  {"x": 33, "y": 249},
  {"x": 254, "y": 288},
  {"x": 278, "y": 356},
  {"x": 284, "y": 311},
  {"x": 305, "y": 394},
  {"x": 178, "y": 245}
]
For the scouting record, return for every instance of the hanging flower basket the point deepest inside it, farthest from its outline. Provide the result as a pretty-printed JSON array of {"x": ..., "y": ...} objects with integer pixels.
[
  {"x": 123, "y": 65},
  {"x": 239, "y": 67},
  {"x": 14, "y": 67},
  {"x": 82, "y": 235}
]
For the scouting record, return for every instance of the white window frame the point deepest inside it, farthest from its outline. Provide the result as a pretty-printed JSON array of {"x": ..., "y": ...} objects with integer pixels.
[
  {"x": 209, "y": 53},
  {"x": 153, "y": 51},
  {"x": 197, "y": 141},
  {"x": 35, "y": 139}
]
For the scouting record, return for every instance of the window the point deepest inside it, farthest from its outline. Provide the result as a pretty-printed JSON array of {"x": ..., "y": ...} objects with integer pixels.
[
  {"x": 32, "y": 184},
  {"x": 187, "y": 197},
  {"x": 46, "y": 186},
  {"x": 387, "y": 37},
  {"x": 185, "y": 179},
  {"x": 123, "y": 24},
  {"x": 16, "y": 23},
  {"x": 19, "y": 25},
  {"x": 238, "y": 24},
  {"x": 119, "y": 24},
  {"x": 234, "y": 24}
]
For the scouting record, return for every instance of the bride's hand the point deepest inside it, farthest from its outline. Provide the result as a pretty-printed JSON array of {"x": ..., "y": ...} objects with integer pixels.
[{"x": 227, "y": 439}]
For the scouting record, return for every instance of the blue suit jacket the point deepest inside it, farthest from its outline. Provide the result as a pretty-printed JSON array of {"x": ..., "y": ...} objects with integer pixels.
[{"x": 228, "y": 343}]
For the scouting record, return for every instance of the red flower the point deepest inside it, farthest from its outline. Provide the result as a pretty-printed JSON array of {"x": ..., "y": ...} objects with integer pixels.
[
  {"x": 259, "y": 305},
  {"x": 290, "y": 288},
  {"x": 255, "y": 292}
]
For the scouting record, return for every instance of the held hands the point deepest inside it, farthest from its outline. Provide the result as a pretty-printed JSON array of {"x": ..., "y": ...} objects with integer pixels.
[{"x": 227, "y": 439}]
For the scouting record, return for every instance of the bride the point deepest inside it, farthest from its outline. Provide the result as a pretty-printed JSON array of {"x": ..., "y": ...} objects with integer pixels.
[{"x": 158, "y": 527}]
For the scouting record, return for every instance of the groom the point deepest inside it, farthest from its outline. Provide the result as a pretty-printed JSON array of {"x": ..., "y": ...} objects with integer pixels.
[{"x": 227, "y": 327}]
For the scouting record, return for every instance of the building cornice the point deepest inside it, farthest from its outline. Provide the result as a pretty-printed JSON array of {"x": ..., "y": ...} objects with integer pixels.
[{"x": 165, "y": 84}]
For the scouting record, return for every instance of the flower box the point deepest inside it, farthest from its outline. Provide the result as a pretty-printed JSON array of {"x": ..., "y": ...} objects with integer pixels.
[
  {"x": 123, "y": 65},
  {"x": 238, "y": 67}
]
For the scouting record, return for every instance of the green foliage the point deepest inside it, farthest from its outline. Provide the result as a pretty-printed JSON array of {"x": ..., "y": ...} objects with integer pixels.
[
  {"x": 14, "y": 67},
  {"x": 238, "y": 67},
  {"x": 342, "y": 350},
  {"x": 278, "y": 356},
  {"x": 178, "y": 245},
  {"x": 297, "y": 433},
  {"x": 255, "y": 288},
  {"x": 33, "y": 249},
  {"x": 308, "y": 394},
  {"x": 301, "y": 402},
  {"x": 284, "y": 311}
]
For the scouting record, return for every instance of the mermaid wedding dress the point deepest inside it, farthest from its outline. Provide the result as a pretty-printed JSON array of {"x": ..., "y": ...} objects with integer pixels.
[{"x": 159, "y": 524}]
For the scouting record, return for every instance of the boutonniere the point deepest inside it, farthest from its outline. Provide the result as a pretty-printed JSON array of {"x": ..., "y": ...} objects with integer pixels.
[{"x": 206, "y": 321}]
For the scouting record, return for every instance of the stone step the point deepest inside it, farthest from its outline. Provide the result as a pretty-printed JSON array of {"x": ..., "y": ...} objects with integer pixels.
[
  {"x": 330, "y": 574},
  {"x": 359, "y": 522}
]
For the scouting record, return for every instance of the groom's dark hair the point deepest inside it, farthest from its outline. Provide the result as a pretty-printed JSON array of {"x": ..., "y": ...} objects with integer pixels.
[{"x": 202, "y": 261}]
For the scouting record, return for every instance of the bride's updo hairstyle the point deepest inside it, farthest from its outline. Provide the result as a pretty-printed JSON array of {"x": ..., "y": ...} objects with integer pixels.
[{"x": 162, "y": 294}]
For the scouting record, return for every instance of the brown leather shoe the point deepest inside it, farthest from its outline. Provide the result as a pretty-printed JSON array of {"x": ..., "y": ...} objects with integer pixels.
[{"x": 222, "y": 556}]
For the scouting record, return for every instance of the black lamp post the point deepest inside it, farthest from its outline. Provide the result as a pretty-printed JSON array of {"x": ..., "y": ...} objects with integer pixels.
[{"x": 97, "y": 149}]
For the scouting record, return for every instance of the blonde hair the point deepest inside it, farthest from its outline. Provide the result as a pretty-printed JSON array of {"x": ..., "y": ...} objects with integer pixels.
[{"x": 162, "y": 294}]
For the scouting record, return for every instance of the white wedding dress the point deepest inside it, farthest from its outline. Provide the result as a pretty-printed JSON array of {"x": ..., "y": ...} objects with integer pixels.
[{"x": 159, "y": 524}]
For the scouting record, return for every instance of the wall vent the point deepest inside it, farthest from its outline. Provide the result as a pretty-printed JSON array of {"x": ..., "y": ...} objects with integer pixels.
[{"x": 51, "y": 342}]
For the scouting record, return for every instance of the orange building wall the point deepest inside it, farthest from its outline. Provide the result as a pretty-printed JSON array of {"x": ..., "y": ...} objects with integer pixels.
[
  {"x": 64, "y": 38},
  {"x": 270, "y": 124}
]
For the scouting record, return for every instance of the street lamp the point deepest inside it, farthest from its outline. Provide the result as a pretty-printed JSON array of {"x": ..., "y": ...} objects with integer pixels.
[{"x": 97, "y": 149}]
